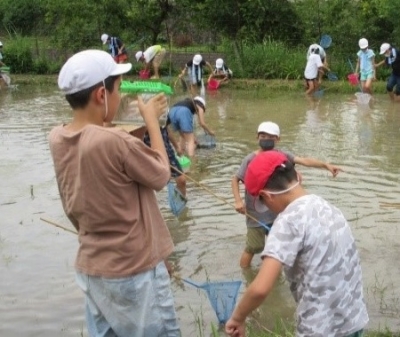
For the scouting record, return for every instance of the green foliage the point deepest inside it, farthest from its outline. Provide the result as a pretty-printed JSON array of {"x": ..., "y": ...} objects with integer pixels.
[
  {"x": 22, "y": 16},
  {"x": 18, "y": 55}
]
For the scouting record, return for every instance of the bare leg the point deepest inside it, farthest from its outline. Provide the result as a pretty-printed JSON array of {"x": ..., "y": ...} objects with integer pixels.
[
  {"x": 245, "y": 259},
  {"x": 311, "y": 87},
  {"x": 367, "y": 86},
  {"x": 156, "y": 74},
  {"x": 190, "y": 143},
  {"x": 181, "y": 184}
]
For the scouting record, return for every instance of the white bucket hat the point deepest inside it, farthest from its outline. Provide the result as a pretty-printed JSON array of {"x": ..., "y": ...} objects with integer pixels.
[
  {"x": 104, "y": 38},
  {"x": 270, "y": 128},
  {"x": 87, "y": 68},
  {"x": 384, "y": 48},
  {"x": 138, "y": 55},
  {"x": 363, "y": 43},
  {"x": 219, "y": 63},
  {"x": 1, "y": 44},
  {"x": 201, "y": 100},
  {"x": 197, "y": 59}
]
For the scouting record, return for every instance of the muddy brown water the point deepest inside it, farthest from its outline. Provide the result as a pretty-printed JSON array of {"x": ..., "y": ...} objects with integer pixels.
[{"x": 38, "y": 295}]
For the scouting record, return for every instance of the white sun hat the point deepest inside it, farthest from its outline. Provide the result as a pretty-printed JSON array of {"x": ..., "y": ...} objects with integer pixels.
[
  {"x": 104, "y": 38},
  {"x": 197, "y": 59},
  {"x": 269, "y": 127},
  {"x": 87, "y": 68},
  {"x": 384, "y": 48},
  {"x": 138, "y": 55},
  {"x": 1, "y": 44},
  {"x": 200, "y": 99},
  {"x": 363, "y": 43},
  {"x": 219, "y": 63}
]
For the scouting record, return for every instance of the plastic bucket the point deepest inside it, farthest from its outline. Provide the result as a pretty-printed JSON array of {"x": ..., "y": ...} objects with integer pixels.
[
  {"x": 212, "y": 84},
  {"x": 353, "y": 79},
  {"x": 185, "y": 163},
  {"x": 144, "y": 74}
]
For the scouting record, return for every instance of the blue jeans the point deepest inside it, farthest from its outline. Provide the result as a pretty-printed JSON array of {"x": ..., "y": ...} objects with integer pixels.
[
  {"x": 392, "y": 82},
  {"x": 141, "y": 305}
]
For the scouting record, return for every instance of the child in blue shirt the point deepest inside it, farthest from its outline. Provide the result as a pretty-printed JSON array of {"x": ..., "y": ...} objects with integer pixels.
[{"x": 366, "y": 65}]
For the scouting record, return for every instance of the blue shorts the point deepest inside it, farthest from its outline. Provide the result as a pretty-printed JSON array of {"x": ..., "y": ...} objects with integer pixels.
[
  {"x": 366, "y": 75},
  {"x": 141, "y": 305},
  {"x": 181, "y": 119}
]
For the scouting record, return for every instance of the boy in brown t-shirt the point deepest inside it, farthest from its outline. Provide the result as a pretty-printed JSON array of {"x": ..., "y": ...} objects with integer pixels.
[{"x": 107, "y": 179}]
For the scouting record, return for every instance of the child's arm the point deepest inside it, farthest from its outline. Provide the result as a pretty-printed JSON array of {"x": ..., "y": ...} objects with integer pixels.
[
  {"x": 254, "y": 296},
  {"x": 380, "y": 63},
  {"x": 357, "y": 66},
  {"x": 151, "y": 112},
  {"x": 239, "y": 205},
  {"x": 311, "y": 162},
  {"x": 203, "y": 124}
]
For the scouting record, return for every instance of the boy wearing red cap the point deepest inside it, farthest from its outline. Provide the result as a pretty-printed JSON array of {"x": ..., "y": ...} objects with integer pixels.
[
  {"x": 259, "y": 222},
  {"x": 312, "y": 241}
]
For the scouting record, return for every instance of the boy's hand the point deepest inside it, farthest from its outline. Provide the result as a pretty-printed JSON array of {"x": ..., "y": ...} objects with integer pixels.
[
  {"x": 240, "y": 207},
  {"x": 234, "y": 328},
  {"x": 155, "y": 107},
  {"x": 334, "y": 169}
]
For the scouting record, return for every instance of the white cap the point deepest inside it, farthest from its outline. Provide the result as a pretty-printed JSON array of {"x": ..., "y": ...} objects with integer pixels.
[
  {"x": 197, "y": 59},
  {"x": 87, "y": 68},
  {"x": 219, "y": 63},
  {"x": 363, "y": 43},
  {"x": 104, "y": 38},
  {"x": 201, "y": 100},
  {"x": 1, "y": 44},
  {"x": 384, "y": 48},
  {"x": 270, "y": 128},
  {"x": 138, "y": 55}
]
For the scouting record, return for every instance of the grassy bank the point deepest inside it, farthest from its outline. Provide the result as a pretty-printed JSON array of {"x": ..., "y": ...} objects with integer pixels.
[{"x": 276, "y": 85}]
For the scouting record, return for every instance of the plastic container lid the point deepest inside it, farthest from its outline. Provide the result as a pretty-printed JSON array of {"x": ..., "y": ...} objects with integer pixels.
[{"x": 139, "y": 87}]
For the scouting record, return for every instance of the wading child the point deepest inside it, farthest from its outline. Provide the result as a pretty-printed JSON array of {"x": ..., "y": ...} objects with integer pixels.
[
  {"x": 221, "y": 73},
  {"x": 392, "y": 59},
  {"x": 366, "y": 65},
  {"x": 3, "y": 77},
  {"x": 268, "y": 134},
  {"x": 116, "y": 47},
  {"x": 110, "y": 200},
  {"x": 180, "y": 119},
  {"x": 195, "y": 68},
  {"x": 314, "y": 66},
  {"x": 322, "y": 54},
  {"x": 312, "y": 241},
  {"x": 176, "y": 168},
  {"x": 152, "y": 56}
]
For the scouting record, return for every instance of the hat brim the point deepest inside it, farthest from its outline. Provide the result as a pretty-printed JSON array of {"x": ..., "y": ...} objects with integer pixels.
[
  {"x": 121, "y": 68},
  {"x": 196, "y": 63},
  {"x": 383, "y": 52}
]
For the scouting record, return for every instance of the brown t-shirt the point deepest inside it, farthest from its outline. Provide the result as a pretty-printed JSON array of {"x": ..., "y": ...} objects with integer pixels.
[{"x": 107, "y": 181}]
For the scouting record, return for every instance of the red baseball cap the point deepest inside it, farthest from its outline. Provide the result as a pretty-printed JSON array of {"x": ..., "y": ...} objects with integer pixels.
[{"x": 260, "y": 170}]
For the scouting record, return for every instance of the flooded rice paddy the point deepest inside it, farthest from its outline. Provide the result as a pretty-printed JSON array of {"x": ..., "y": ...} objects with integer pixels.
[{"x": 38, "y": 294}]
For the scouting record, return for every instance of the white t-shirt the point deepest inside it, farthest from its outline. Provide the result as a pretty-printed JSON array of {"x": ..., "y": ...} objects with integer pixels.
[
  {"x": 151, "y": 52},
  {"x": 313, "y": 241},
  {"x": 313, "y": 63}
]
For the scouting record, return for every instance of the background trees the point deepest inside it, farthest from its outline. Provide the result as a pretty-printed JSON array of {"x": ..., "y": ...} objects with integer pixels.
[{"x": 235, "y": 27}]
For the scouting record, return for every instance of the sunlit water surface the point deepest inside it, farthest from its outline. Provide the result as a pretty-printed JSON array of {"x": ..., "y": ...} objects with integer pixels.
[{"x": 38, "y": 295}]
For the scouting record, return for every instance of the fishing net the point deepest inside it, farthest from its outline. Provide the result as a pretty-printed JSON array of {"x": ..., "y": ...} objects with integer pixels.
[
  {"x": 206, "y": 141},
  {"x": 177, "y": 202},
  {"x": 222, "y": 296},
  {"x": 326, "y": 41}
]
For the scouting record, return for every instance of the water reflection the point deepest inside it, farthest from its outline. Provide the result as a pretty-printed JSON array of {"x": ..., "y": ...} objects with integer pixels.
[{"x": 37, "y": 260}]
